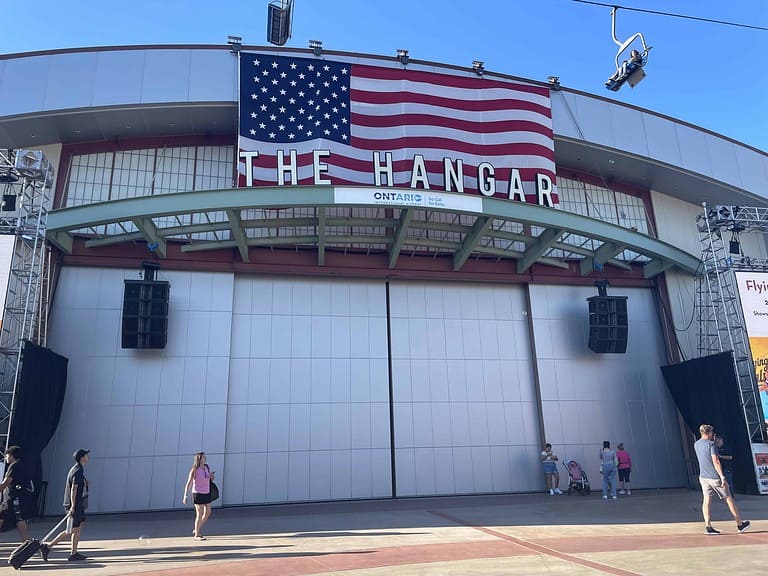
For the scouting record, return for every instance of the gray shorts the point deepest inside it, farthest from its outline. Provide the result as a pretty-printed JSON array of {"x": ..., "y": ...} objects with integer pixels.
[{"x": 710, "y": 486}]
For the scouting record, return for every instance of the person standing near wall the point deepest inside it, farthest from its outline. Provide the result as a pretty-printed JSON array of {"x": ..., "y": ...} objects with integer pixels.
[
  {"x": 15, "y": 495},
  {"x": 713, "y": 480},
  {"x": 608, "y": 469},
  {"x": 551, "y": 475},
  {"x": 75, "y": 503},
  {"x": 726, "y": 461},
  {"x": 199, "y": 480},
  {"x": 625, "y": 468}
]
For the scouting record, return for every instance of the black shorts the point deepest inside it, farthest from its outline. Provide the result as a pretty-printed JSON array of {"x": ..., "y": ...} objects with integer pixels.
[
  {"x": 21, "y": 509},
  {"x": 78, "y": 516},
  {"x": 201, "y": 498},
  {"x": 624, "y": 474}
]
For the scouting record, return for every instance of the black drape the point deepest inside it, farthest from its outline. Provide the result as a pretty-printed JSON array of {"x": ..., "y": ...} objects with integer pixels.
[
  {"x": 706, "y": 391},
  {"x": 39, "y": 399}
]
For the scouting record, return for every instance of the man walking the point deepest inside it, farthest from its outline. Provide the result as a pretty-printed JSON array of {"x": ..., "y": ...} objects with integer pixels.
[
  {"x": 75, "y": 502},
  {"x": 713, "y": 480},
  {"x": 15, "y": 489}
]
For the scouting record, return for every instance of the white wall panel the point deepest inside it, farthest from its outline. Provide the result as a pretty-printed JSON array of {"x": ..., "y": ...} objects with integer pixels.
[
  {"x": 450, "y": 395},
  {"x": 590, "y": 397}
]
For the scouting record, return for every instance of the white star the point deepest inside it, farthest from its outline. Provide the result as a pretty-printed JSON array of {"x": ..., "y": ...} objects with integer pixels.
[
  {"x": 310, "y": 67},
  {"x": 300, "y": 127},
  {"x": 301, "y": 94},
  {"x": 343, "y": 120},
  {"x": 273, "y": 99},
  {"x": 318, "y": 74},
  {"x": 336, "y": 110},
  {"x": 317, "y": 107},
  {"x": 253, "y": 114},
  {"x": 293, "y": 65},
  {"x": 326, "y": 116},
  {"x": 283, "y": 92},
  {"x": 317, "y": 92},
  {"x": 293, "y": 82},
  {"x": 282, "y": 109},
  {"x": 253, "y": 132},
  {"x": 274, "y": 82},
  {"x": 310, "y": 117},
  {"x": 265, "y": 73},
  {"x": 281, "y": 127},
  {"x": 301, "y": 110},
  {"x": 292, "y": 118},
  {"x": 272, "y": 134},
  {"x": 343, "y": 104},
  {"x": 327, "y": 132},
  {"x": 344, "y": 71},
  {"x": 291, "y": 136},
  {"x": 256, "y": 79},
  {"x": 317, "y": 123},
  {"x": 273, "y": 117},
  {"x": 344, "y": 136},
  {"x": 256, "y": 62},
  {"x": 325, "y": 100},
  {"x": 326, "y": 84},
  {"x": 334, "y": 95},
  {"x": 263, "y": 107},
  {"x": 326, "y": 67},
  {"x": 262, "y": 125},
  {"x": 301, "y": 76},
  {"x": 334, "y": 77},
  {"x": 283, "y": 74},
  {"x": 309, "y": 132},
  {"x": 310, "y": 102},
  {"x": 311, "y": 84},
  {"x": 264, "y": 89},
  {"x": 292, "y": 100},
  {"x": 254, "y": 97},
  {"x": 335, "y": 126},
  {"x": 274, "y": 64},
  {"x": 343, "y": 88}
]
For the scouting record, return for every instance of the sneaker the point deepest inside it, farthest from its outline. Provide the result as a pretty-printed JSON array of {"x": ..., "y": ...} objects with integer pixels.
[
  {"x": 622, "y": 492},
  {"x": 628, "y": 493},
  {"x": 614, "y": 497},
  {"x": 76, "y": 557},
  {"x": 605, "y": 497},
  {"x": 551, "y": 492},
  {"x": 44, "y": 551},
  {"x": 744, "y": 526},
  {"x": 711, "y": 531},
  {"x": 558, "y": 491}
]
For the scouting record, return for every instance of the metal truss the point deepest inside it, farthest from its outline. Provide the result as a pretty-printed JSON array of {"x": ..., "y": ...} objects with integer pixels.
[
  {"x": 26, "y": 178},
  {"x": 721, "y": 323}
]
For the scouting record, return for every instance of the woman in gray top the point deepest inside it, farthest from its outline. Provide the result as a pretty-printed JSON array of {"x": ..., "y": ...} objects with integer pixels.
[{"x": 608, "y": 469}]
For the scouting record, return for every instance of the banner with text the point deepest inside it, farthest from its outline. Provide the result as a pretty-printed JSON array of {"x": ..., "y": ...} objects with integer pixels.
[{"x": 753, "y": 293}]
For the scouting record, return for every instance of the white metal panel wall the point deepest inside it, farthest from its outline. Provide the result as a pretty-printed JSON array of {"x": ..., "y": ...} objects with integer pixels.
[
  {"x": 589, "y": 397},
  {"x": 308, "y": 412},
  {"x": 465, "y": 409},
  {"x": 143, "y": 413}
]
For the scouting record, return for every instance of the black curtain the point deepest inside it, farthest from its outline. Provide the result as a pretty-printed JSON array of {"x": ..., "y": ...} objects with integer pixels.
[
  {"x": 706, "y": 391},
  {"x": 39, "y": 399}
]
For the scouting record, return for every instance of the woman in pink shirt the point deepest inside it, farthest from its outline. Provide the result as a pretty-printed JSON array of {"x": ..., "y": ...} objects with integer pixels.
[
  {"x": 625, "y": 467},
  {"x": 200, "y": 478}
]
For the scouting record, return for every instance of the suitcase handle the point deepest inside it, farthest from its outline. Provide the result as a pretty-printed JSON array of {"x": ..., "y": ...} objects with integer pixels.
[{"x": 55, "y": 528}]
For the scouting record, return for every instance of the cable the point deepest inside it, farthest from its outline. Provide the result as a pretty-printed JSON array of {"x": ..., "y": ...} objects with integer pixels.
[{"x": 684, "y": 16}]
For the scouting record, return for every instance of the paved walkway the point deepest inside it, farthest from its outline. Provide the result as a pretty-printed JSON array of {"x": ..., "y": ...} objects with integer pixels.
[{"x": 648, "y": 533}]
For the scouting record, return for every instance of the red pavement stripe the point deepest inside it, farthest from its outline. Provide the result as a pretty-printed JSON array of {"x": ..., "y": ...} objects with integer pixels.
[
  {"x": 302, "y": 563},
  {"x": 650, "y": 542},
  {"x": 539, "y": 548}
]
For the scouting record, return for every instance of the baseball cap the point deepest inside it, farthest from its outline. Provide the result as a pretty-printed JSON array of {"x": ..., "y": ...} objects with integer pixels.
[{"x": 79, "y": 454}]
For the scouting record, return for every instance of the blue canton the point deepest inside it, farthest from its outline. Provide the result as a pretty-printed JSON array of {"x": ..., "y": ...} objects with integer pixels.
[{"x": 294, "y": 99}]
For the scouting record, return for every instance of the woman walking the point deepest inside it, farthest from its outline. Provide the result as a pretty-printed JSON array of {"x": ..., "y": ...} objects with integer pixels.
[
  {"x": 625, "y": 468},
  {"x": 608, "y": 469},
  {"x": 199, "y": 480}
]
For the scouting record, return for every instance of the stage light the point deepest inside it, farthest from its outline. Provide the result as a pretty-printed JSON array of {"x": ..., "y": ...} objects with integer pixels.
[
  {"x": 477, "y": 66},
  {"x": 402, "y": 54},
  {"x": 236, "y": 42},
  {"x": 317, "y": 47},
  {"x": 554, "y": 82}
]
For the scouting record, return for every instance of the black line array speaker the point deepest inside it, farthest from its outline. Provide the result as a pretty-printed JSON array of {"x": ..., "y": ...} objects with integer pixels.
[
  {"x": 608, "y": 326},
  {"x": 145, "y": 314}
]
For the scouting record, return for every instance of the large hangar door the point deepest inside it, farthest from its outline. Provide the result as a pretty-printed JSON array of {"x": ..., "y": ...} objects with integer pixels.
[
  {"x": 308, "y": 413},
  {"x": 466, "y": 420}
]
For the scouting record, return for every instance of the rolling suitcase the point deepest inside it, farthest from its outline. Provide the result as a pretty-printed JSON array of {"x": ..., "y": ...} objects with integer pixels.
[{"x": 30, "y": 547}]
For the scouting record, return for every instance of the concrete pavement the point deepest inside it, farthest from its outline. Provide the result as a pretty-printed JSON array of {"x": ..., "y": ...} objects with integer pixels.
[{"x": 648, "y": 533}]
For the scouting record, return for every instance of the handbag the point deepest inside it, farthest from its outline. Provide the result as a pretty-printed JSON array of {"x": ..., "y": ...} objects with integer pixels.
[{"x": 214, "y": 491}]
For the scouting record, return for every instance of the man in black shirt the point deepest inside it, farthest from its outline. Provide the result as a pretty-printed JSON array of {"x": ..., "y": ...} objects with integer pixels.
[
  {"x": 75, "y": 503},
  {"x": 726, "y": 460},
  {"x": 15, "y": 489}
]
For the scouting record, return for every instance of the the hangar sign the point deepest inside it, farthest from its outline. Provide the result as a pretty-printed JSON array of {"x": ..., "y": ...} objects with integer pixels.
[{"x": 309, "y": 122}]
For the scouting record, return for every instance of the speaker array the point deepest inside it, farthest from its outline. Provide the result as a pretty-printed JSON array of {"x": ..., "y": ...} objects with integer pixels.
[
  {"x": 608, "y": 326},
  {"x": 145, "y": 314}
]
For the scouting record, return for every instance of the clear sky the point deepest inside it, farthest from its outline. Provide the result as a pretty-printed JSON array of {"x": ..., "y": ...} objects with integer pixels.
[{"x": 711, "y": 75}]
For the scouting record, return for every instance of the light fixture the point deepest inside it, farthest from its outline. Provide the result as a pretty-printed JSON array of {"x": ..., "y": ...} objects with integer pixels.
[
  {"x": 734, "y": 245},
  {"x": 236, "y": 42},
  {"x": 279, "y": 18},
  {"x": 402, "y": 54},
  {"x": 317, "y": 47},
  {"x": 554, "y": 82},
  {"x": 477, "y": 66}
]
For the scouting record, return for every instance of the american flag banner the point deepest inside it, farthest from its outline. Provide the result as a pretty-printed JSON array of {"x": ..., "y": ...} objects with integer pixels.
[{"x": 409, "y": 123}]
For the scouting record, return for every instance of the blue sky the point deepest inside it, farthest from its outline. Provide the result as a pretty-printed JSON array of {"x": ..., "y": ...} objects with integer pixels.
[{"x": 710, "y": 75}]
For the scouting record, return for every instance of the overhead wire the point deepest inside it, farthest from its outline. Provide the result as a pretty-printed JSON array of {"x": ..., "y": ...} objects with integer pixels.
[{"x": 673, "y": 15}]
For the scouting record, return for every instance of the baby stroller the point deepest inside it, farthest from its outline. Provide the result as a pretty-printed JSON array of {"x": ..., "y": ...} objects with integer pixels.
[{"x": 577, "y": 478}]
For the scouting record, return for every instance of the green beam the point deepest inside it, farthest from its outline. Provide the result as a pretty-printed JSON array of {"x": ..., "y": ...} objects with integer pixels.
[
  {"x": 543, "y": 242},
  {"x": 481, "y": 225},
  {"x": 321, "y": 235},
  {"x": 400, "y": 235},
  {"x": 148, "y": 229},
  {"x": 603, "y": 254},
  {"x": 655, "y": 267},
  {"x": 236, "y": 226},
  {"x": 63, "y": 240}
]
